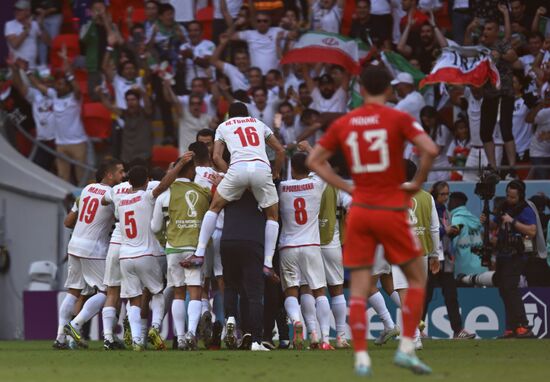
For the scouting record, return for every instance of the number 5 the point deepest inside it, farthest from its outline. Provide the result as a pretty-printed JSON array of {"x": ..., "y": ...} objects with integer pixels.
[
  {"x": 130, "y": 223},
  {"x": 378, "y": 140}
]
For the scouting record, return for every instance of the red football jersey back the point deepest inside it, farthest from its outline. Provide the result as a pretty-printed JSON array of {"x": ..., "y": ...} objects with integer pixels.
[{"x": 372, "y": 139}]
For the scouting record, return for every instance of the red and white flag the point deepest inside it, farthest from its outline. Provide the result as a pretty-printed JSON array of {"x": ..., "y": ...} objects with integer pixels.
[
  {"x": 458, "y": 65},
  {"x": 327, "y": 48}
]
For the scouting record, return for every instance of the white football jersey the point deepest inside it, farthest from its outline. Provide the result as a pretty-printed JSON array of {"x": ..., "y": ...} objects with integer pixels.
[
  {"x": 113, "y": 197},
  {"x": 90, "y": 236},
  {"x": 203, "y": 177},
  {"x": 245, "y": 139},
  {"x": 135, "y": 211},
  {"x": 299, "y": 203}
]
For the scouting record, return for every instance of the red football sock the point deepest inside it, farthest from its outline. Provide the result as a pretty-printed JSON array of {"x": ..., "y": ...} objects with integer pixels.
[
  {"x": 358, "y": 323},
  {"x": 412, "y": 310}
]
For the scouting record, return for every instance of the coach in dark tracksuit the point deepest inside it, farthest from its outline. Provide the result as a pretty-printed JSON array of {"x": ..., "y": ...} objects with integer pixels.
[{"x": 242, "y": 253}]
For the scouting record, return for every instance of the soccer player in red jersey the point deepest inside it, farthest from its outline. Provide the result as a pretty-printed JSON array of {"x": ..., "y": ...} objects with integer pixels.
[{"x": 372, "y": 139}]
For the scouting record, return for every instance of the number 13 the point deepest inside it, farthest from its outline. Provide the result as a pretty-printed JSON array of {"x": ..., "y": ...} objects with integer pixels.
[{"x": 378, "y": 140}]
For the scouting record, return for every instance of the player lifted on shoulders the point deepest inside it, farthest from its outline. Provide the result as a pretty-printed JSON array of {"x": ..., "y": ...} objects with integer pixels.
[
  {"x": 372, "y": 139},
  {"x": 245, "y": 138}
]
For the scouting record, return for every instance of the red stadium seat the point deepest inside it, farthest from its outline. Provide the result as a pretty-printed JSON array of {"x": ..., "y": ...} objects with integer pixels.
[
  {"x": 97, "y": 120},
  {"x": 164, "y": 155},
  {"x": 138, "y": 16},
  {"x": 84, "y": 90},
  {"x": 72, "y": 44}
]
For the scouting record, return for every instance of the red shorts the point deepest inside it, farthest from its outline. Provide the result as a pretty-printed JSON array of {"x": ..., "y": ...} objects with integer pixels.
[{"x": 366, "y": 228}]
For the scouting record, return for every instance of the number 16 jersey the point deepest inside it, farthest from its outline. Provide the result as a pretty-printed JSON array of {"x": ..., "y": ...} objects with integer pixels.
[
  {"x": 299, "y": 202},
  {"x": 372, "y": 139},
  {"x": 245, "y": 139}
]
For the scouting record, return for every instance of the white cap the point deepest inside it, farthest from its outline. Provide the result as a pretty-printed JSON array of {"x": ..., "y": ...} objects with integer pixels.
[{"x": 403, "y": 78}]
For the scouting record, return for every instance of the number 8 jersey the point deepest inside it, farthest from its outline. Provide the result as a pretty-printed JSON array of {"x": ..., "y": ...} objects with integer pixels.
[
  {"x": 299, "y": 203},
  {"x": 90, "y": 238},
  {"x": 372, "y": 139},
  {"x": 245, "y": 139}
]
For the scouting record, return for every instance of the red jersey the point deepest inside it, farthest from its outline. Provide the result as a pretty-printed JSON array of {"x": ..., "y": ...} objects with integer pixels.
[{"x": 372, "y": 139}]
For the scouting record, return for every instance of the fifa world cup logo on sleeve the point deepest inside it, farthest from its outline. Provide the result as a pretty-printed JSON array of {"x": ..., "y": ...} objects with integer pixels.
[{"x": 191, "y": 198}]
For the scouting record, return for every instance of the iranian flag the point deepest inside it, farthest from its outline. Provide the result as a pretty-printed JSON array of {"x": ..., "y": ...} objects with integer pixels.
[
  {"x": 326, "y": 48},
  {"x": 458, "y": 65},
  {"x": 396, "y": 64}
]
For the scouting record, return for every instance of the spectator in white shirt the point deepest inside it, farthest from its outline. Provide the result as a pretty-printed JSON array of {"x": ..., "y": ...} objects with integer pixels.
[
  {"x": 196, "y": 52},
  {"x": 126, "y": 78},
  {"x": 23, "y": 32},
  {"x": 210, "y": 100},
  {"x": 263, "y": 107},
  {"x": 539, "y": 150},
  {"x": 290, "y": 128},
  {"x": 185, "y": 10},
  {"x": 225, "y": 11},
  {"x": 411, "y": 101},
  {"x": 327, "y": 97},
  {"x": 326, "y": 15},
  {"x": 262, "y": 42}
]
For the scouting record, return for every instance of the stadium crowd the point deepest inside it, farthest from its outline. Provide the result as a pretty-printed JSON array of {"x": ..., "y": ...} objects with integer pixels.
[{"x": 157, "y": 77}]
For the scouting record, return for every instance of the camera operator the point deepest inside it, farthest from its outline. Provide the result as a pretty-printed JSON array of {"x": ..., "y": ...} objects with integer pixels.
[{"x": 516, "y": 230}]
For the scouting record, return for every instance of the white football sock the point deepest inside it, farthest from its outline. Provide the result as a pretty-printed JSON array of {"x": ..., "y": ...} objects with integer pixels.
[
  {"x": 157, "y": 306},
  {"x": 379, "y": 305},
  {"x": 205, "y": 306},
  {"x": 193, "y": 315},
  {"x": 271, "y": 234},
  {"x": 66, "y": 310},
  {"x": 307, "y": 305},
  {"x": 178, "y": 315},
  {"x": 91, "y": 307},
  {"x": 109, "y": 318},
  {"x": 339, "y": 311},
  {"x": 396, "y": 299},
  {"x": 208, "y": 227},
  {"x": 406, "y": 345},
  {"x": 292, "y": 308},
  {"x": 323, "y": 316},
  {"x": 134, "y": 317}
]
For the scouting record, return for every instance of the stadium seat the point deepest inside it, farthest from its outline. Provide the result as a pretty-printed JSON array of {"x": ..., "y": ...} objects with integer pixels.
[
  {"x": 97, "y": 120},
  {"x": 42, "y": 275},
  {"x": 164, "y": 155},
  {"x": 73, "y": 48},
  {"x": 138, "y": 16}
]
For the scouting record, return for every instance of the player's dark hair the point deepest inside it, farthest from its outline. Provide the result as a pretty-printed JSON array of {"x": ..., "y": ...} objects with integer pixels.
[
  {"x": 206, "y": 133},
  {"x": 298, "y": 163},
  {"x": 410, "y": 170},
  {"x": 238, "y": 109},
  {"x": 106, "y": 167},
  {"x": 138, "y": 176},
  {"x": 186, "y": 167},
  {"x": 201, "y": 152},
  {"x": 157, "y": 173},
  {"x": 375, "y": 79}
]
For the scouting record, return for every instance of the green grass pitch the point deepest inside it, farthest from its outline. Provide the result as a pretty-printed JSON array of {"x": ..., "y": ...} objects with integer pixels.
[{"x": 479, "y": 361}]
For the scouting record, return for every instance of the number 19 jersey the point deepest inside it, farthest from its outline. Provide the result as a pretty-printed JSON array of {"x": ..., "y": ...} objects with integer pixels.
[
  {"x": 90, "y": 238},
  {"x": 245, "y": 139},
  {"x": 299, "y": 203},
  {"x": 372, "y": 139}
]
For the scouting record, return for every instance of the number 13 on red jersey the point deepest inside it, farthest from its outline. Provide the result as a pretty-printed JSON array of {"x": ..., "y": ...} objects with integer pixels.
[{"x": 377, "y": 141}]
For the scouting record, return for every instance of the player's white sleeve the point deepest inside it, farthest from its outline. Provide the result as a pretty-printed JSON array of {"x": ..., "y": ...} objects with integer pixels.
[
  {"x": 158, "y": 216},
  {"x": 109, "y": 196},
  {"x": 344, "y": 199},
  {"x": 434, "y": 231},
  {"x": 267, "y": 131}
]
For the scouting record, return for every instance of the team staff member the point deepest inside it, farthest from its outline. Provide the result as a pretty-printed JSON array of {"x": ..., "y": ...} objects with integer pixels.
[{"x": 242, "y": 252}]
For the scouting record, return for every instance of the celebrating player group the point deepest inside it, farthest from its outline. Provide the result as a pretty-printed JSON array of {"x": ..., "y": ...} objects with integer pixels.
[{"x": 165, "y": 244}]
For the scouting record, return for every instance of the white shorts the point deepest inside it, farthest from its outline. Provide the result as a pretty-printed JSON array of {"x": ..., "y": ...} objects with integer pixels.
[
  {"x": 399, "y": 279},
  {"x": 381, "y": 265},
  {"x": 113, "y": 277},
  {"x": 179, "y": 276},
  {"x": 213, "y": 259},
  {"x": 140, "y": 273},
  {"x": 302, "y": 264},
  {"x": 253, "y": 175},
  {"x": 85, "y": 271},
  {"x": 334, "y": 268},
  {"x": 161, "y": 260}
]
